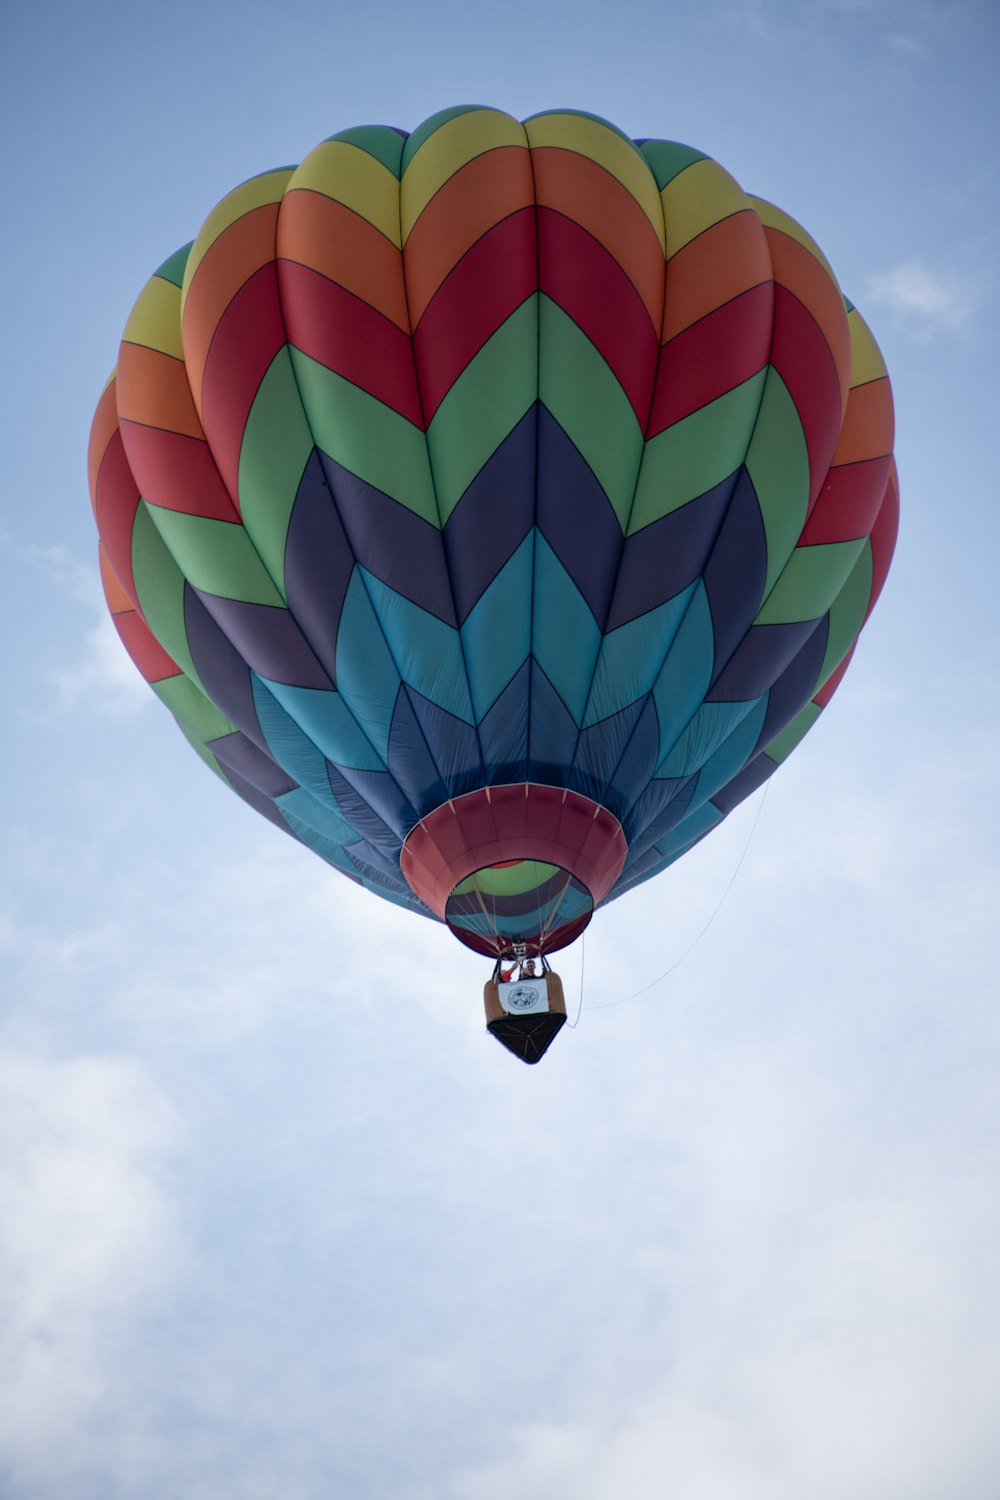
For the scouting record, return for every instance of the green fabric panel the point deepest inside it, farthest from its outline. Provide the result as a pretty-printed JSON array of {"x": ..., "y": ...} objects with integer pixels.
[
  {"x": 160, "y": 590},
  {"x": 580, "y": 390},
  {"x": 276, "y": 447},
  {"x": 810, "y": 582},
  {"x": 667, "y": 159},
  {"x": 367, "y": 437},
  {"x": 423, "y": 132},
  {"x": 215, "y": 556},
  {"x": 511, "y": 880},
  {"x": 486, "y": 402},
  {"x": 696, "y": 453},
  {"x": 778, "y": 465},
  {"x": 847, "y": 614},
  {"x": 173, "y": 267},
  {"x": 784, "y": 743},
  {"x": 565, "y": 638},
  {"x": 196, "y": 714},
  {"x": 380, "y": 141}
]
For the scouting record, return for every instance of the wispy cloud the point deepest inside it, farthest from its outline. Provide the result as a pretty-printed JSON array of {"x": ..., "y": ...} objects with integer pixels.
[{"x": 927, "y": 301}]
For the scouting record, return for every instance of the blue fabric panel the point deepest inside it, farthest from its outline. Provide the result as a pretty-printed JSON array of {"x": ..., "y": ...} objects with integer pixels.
[
  {"x": 324, "y": 719},
  {"x": 390, "y": 542},
  {"x": 673, "y": 811},
  {"x": 686, "y": 673},
  {"x": 689, "y": 832},
  {"x": 710, "y": 728},
  {"x": 552, "y": 731},
  {"x": 648, "y": 810},
  {"x": 666, "y": 557},
  {"x": 575, "y": 516},
  {"x": 503, "y": 733},
  {"x": 736, "y": 570},
  {"x": 411, "y": 763},
  {"x": 374, "y": 866},
  {"x": 323, "y": 821},
  {"x": 493, "y": 517},
  {"x": 732, "y": 756},
  {"x": 599, "y": 750},
  {"x": 318, "y": 563},
  {"x": 631, "y": 657},
  {"x": 366, "y": 673},
  {"x": 497, "y": 634},
  {"x": 634, "y": 770},
  {"x": 290, "y": 746},
  {"x": 453, "y": 744},
  {"x": 373, "y": 804},
  {"x": 565, "y": 637},
  {"x": 427, "y": 653}
]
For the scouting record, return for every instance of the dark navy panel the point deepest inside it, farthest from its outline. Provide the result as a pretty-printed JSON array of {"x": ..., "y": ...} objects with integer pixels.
[
  {"x": 552, "y": 731},
  {"x": 411, "y": 763},
  {"x": 372, "y": 803},
  {"x": 647, "y": 813},
  {"x": 736, "y": 571},
  {"x": 671, "y": 812},
  {"x": 503, "y": 732},
  {"x": 759, "y": 660},
  {"x": 453, "y": 744},
  {"x": 318, "y": 563},
  {"x": 376, "y": 867},
  {"x": 635, "y": 769},
  {"x": 599, "y": 750},
  {"x": 753, "y": 775},
  {"x": 576, "y": 517},
  {"x": 796, "y": 684},
  {"x": 394, "y": 544},
  {"x": 665, "y": 557},
  {"x": 494, "y": 515}
]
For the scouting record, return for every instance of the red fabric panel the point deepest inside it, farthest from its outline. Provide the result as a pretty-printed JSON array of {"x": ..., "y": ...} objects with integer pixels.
[
  {"x": 802, "y": 358},
  {"x": 712, "y": 356}
]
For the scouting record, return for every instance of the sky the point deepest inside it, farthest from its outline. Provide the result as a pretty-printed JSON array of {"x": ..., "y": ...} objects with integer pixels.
[{"x": 277, "y": 1218}]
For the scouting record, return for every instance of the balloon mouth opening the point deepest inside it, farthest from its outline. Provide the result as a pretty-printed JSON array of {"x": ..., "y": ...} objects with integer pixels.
[
  {"x": 515, "y": 866},
  {"x": 519, "y": 906}
]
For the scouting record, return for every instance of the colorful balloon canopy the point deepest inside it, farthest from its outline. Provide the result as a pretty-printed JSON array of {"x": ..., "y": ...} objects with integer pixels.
[{"x": 496, "y": 506}]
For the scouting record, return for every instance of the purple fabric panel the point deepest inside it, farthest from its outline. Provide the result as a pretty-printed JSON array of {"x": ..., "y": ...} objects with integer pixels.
[
  {"x": 736, "y": 570},
  {"x": 576, "y": 517},
  {"x": 397, "y": 547},
  {"x": 235, "y": 753},
  {"x": 759, "y": 660},
  {"x": 220, "y": 666},
  {"x": 318, "y": 564},
  {"x": 258, "y": 801},
  {"x": 493, "y": 517},
  {"x": 268, "y": 638},
  {"x": 668, "y": 555}
]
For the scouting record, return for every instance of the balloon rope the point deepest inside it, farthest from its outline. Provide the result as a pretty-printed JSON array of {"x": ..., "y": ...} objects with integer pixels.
[
  {"x": 583, "y": 955},
  {"x": 609, "y": 1004}
]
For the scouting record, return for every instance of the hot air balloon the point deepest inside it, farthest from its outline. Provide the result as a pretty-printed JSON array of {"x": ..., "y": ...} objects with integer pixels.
[{"x": 495, "y": 507}]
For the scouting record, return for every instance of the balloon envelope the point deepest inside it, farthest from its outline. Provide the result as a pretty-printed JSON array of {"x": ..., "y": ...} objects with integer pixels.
[{"x": 495, "y": 506}]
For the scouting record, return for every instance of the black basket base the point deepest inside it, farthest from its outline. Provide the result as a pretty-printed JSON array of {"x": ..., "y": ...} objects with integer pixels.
[{"x": 528, "y": 1037}]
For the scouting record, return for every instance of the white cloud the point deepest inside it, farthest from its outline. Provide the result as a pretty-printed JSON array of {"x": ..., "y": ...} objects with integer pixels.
[
  {"x": 88, "y": 1238},
  {"x": 927, "y": 301}
]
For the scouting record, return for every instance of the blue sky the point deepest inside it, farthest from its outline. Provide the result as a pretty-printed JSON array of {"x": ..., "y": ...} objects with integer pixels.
[{"x": 276, "y": 1218}]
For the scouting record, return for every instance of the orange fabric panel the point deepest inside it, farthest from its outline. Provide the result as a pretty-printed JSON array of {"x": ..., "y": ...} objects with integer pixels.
[
  {"x": 153, "y": 389},
  {"x": 227, "y": 265},
  {"x": 102, "y": 430},
  {"x": 725, "y": 260},
  {"x": 807, "y": 280},
  {"x": 318, "y": 232},
  {"x": 869, "y": 424}
]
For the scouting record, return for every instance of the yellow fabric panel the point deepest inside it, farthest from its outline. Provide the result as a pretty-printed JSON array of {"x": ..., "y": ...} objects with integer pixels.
[
  {"x": 866, "y": 356},
  {"x": 702, "y": 195},
  {"x": 351, "y": 176},
  {"x": 610, "y": 150},
  {"x": 448, "y": 149},
  {"x": 268, "y": 188},
  {"x": 155, "y": 320}
]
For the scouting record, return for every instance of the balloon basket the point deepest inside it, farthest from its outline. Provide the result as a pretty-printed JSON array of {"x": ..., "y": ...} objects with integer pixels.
[{"x": 525, "y": 1015}]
